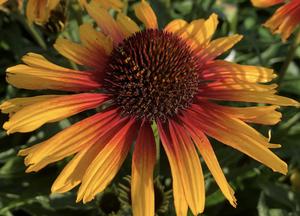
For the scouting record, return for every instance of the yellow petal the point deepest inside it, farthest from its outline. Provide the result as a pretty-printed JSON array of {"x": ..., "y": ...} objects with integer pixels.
[
  {"x": 218, "y": 47},
  {"x": 189, "y": 167},
  {"x": 73, "y": 173},
  {"x": 207, "y": 152},
  {"x": 93, "y": 39},
  {"x": 39, "y": 73},
  {"x": 71, "y": 140},
  {"x": 220, "y": 69},
  {"x": 105, "y": 21},
  {"x": 107, "y": 163},
  {"x": 265, "y": 3},
  {"x": 144, "y": 12},
  {"x": 127, "y": 25},
  {"x": 80, "y": 54},
  {"x": 16, "y": 104},
  {"x": 32, "y": 117},
  {"x": 180, "y": 203},
  {"x": 222, "y": 129},
  {"x": 143, "y": 161},
  {"x": 176, "y": 26}
]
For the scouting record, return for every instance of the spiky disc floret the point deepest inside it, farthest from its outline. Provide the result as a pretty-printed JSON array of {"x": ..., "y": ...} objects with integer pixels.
[{"x": 152, "y": 75}]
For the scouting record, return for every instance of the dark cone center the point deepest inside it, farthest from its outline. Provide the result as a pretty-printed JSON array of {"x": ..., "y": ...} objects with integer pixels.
[{"x": 152, "y": 74}]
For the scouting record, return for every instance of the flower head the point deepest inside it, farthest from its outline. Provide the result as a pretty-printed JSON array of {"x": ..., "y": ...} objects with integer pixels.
[
  {"x": 165, "y": 77},
  {"x": 285, "y": 19}
]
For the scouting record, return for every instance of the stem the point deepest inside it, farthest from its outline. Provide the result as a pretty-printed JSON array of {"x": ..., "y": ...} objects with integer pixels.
[
  {"x": 290, "y": 56},
  {"x": 36, "y": 36}
]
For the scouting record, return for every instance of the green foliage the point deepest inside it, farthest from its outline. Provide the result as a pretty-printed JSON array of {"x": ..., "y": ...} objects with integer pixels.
[{"x": 259, "y": 191}]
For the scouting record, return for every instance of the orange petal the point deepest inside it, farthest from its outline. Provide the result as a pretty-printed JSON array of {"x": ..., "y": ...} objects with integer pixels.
[
  {"x": 105, "y": 21},
  {"x": 144, "y": 12},
  {"x": 260, "y": 114},
  {"x": 211, "y": 161},
  {"x": 40, "y": 74},
  {"x": 107, "y": 163},
  {"x": 265, "y": 3},
  {"x": 52, "y": 110},
  {"x": 95, "y": 41},
  {"x": 285, "y": 19},
  {"x": 107, "y": 4},
  {"x": 143, "y": 161},
  {"x": 80, "y": 54},
  {"x": 73, "y": 173},
  {"x": 13, "y": 105},
  {"x": 39, "y": 11},
  {"x": 220, "y": 69},
  {"x": 180, "y": 203},
  {"x": 218, "y": 47},
  {"x": 127, "y": 25},
  {"x": 228, "y": 131},
  {"x": 69, "y": 141},
  {"x": 176, "y": 26}
]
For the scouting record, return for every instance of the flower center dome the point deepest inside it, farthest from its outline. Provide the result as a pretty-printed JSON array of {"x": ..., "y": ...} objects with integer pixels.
[{"x": 152, "y": 74}]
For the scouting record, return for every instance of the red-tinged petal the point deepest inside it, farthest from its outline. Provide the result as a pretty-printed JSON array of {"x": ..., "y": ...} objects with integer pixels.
[
  {"x": 107, "y": 163},
  {"x": 144, "y": 12},
  {"x": 143, "y": 161},
  {"x": 218, "y": 47},
  {"x": 52, "y": 110},
  {"x": 180, "y": 203},
  {"x": 285, "y": 19},
  {"x": 219, "y": 70},
  {"x": 265, "y": 3},
  {"x": 80, "y": 54},
  {"x": 105, "y": 21},
  {"x": 74, "y": 171},
  {"x": 69, "y": 141},
  {"x": 13, "y": 105},
  {"x": 40, "y": 74},
  {"x": 229, "y": 131},
  {"x": 211, "y": 161},
  {"x": 189, "y": 166}
]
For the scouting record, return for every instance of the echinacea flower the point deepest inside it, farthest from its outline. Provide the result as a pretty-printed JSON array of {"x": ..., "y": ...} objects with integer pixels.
[
  {"x": 285, "y": 19},
  {"x": 167, "y": 77}
]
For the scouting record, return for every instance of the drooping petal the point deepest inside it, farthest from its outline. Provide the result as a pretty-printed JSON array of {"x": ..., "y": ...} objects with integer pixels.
[
  {"x": 74, "y": 171},
  {"x": 144, "y": 12},
  {"x": 180, "y": 203},
  {"x": 265, "y": 3},
  {"x": 285, "y": 19},
  {"x": 189, "y": 166},
  {"x": 218, "y": 47},
  {"x": 127, "y": 25},
  {"x": 55, "y": 109},
  {"x": 211, "y": 161},
  {"x": 69, "y": 141},
  {"x": 107, "y": 163},
  {"x": 13, "y": 105},
  {"x": 228, "y": 131},
  {"x": 40, "y": 74},
  {"x": 143, "y": 161},
  {"x": 219, "y": 69},
  {"x": 105, "y": 21}
]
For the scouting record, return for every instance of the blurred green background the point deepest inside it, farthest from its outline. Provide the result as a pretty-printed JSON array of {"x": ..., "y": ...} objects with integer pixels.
[{"x": 259, "y": 191}]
